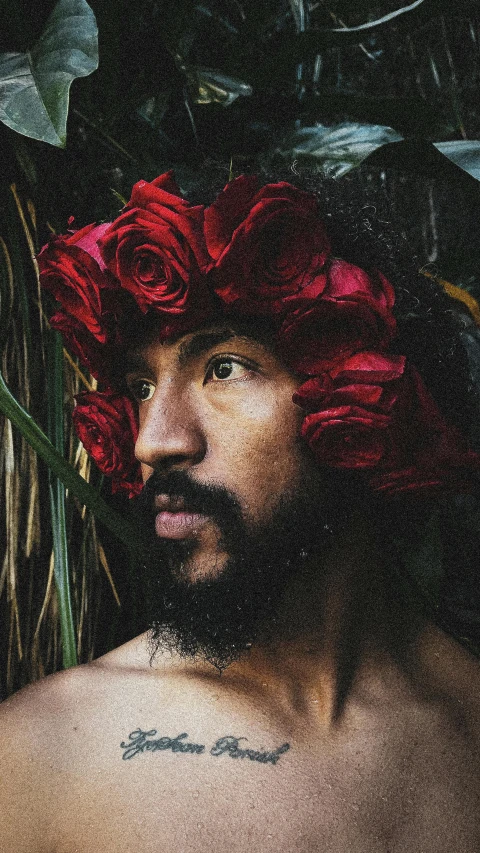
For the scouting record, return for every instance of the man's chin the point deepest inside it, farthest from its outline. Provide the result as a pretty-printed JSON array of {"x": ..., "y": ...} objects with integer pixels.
[
  {"x": 195, "y": 557},
  {"x": 202, "y": 566}
]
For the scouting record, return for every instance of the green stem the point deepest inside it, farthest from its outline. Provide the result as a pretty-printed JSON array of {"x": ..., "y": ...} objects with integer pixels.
[
  {"x": 86, "y": 494},
  {"x": 62, "y": 580},
  {"x": 57, "y": 506}
]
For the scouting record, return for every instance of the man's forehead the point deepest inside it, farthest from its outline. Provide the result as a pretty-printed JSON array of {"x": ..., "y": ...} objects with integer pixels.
[{"x": 193, "y": 344}]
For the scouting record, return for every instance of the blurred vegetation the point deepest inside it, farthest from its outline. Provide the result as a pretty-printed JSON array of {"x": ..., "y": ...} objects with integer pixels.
[{"x": 347, "y": 88}]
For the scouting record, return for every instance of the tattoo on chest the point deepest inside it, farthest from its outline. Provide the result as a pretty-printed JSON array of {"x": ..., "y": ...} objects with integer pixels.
[{"x": 140, "y": 741}]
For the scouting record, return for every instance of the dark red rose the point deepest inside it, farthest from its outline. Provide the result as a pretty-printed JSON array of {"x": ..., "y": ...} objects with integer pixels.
[
  {"x": 347, "y": 282},
  {"x": 365, "y": 379},
  {"x": 119, "y": 314},
  {"x": 106, "y": 424},
  {"x": 267, "y": 245},
  {"x": 351, "y": 409},
  {"x": 373, "y": 412},
  {"x": 72, "y": 270},
  {"x": 96, "y": 357},
  {"x": 347, "y": 436},
  {"x": 352, "y": 313},
  {"x": 227, "y": 212},
  {"x": 315, "y": 338},
  {"x": 156, "y": 247}
]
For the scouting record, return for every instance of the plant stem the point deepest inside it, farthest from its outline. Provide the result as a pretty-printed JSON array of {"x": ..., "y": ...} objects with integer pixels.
[{"x": 57, "y": 507}]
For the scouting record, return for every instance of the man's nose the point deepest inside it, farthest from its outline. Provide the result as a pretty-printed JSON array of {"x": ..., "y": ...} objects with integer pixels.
[{"x": 170, "y": 433}]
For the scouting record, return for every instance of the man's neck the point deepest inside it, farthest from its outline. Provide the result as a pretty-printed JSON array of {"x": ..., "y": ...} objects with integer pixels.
[{"x": 342, "y": 616}]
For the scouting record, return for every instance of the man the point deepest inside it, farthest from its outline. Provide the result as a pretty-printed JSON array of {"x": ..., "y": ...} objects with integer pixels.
[{"x": 292, "y": 694}]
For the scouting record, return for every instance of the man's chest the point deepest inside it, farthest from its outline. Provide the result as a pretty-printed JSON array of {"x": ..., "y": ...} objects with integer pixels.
[{"x": 163, "y": 792}]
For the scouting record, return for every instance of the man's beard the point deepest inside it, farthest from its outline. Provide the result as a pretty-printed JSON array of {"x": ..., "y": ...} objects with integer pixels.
[{"x": 219, "y": 617}]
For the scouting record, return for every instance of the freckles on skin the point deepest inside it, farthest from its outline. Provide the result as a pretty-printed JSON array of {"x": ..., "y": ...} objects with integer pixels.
[{"x": 257, "y": 444}]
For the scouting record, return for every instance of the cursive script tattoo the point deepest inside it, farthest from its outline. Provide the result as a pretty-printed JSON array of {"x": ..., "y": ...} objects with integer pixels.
[
  {"x": 140, "y": 741},
  {"x": 229, "y": 746}
]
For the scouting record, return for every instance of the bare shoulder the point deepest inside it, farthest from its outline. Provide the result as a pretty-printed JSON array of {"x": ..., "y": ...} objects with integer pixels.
[
  {"x": 58, "y": 726},
  {"x": 452, "y": 675},
  {"x": 443, "y": 717},
  {"x": 33, "y": 724},
  {"x": 57, "y": 700}
]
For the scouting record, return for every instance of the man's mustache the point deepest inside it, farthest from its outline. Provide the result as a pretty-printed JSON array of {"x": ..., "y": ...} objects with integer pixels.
[{"x": 207, "y": 499}]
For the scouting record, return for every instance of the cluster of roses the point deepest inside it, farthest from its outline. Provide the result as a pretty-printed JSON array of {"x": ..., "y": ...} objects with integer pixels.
[{"x": 253, "y": 252}]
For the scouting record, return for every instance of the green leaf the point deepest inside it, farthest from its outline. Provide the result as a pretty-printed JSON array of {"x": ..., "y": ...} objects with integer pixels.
[
  {"x": 449, "y": 160},
  {"x": 337, "y": 149},
  {"x": 341, "y": 147},
  {"x": 208, "y": 86},
  {"x": 464, "y": 153},
  {"x": 35, "y": 86}
]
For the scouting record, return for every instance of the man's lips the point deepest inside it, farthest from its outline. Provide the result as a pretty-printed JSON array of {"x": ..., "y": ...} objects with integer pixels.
[{"x": 173, "y": 520}]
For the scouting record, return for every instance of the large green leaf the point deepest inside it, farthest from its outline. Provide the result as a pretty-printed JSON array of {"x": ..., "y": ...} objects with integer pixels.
[
  {"x": 337, "y": 149},
  {"x": 34, "y": 86},
  {"x": 455, "y": 161},
  {"x": 464, "y": 153}
]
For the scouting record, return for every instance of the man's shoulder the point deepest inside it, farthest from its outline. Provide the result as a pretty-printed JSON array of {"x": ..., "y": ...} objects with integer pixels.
[
  {"x": 57, "y": 696},
  {"x": 46, "y": 698},
  {"x": 439, "y": 704},
  {"x": 450, "y": 673}
]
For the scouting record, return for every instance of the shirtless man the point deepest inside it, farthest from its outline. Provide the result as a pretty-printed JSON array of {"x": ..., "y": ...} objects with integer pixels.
[{"x": 292, "y": 695}]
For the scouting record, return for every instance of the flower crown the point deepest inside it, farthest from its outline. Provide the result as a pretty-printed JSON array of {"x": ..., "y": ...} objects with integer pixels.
[{"x": 254, "y": 252}]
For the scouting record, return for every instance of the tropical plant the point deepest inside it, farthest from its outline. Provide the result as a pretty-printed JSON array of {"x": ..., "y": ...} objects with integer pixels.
[{"x": 330, "y": 87}]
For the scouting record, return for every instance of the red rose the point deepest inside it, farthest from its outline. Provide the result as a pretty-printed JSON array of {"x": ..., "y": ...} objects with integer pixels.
[
  {"x": 118, "y": 311},
  {"x": 351, "y": 409},
  {"x": 227, "y": 212},
  {"x": 79, "y": 341},
  {"x": 365, "y": 379},
  {"x": 352, "y": 313},
  {"x": 106, "y": 424},
  {"x": 71, "y": 269},
  {"x": 156, "y": 247},
  {"x": 347, "y": 282},
  {"x": 315, "y": 338},
  {"x": 267, "y": 245},
  {"x": 347, "y": 436}
]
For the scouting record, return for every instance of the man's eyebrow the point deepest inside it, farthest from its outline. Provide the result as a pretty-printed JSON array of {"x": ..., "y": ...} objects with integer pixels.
[
  {"x": 201, "y": 343},
  {"x": 197, "y": 345},
  {"x": 134, "y": 362}
]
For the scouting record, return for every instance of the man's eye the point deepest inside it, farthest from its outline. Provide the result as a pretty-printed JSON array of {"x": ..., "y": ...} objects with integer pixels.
[
  {"x": 142, "y": 390},
  {"x": 226, "y": 368}
]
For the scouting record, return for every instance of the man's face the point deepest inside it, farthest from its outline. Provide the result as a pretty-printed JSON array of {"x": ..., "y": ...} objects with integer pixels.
[
  {"x": 232, "y": 492},
  {"x": 219, "y": 408}
]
